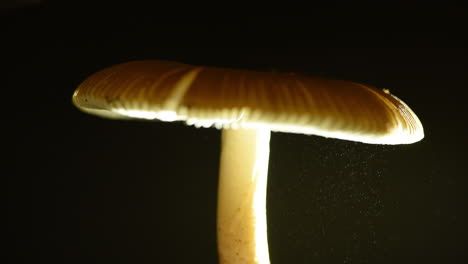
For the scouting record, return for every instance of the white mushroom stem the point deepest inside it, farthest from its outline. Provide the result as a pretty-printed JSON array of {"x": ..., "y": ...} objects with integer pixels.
[{"x": 242, "y": 226}]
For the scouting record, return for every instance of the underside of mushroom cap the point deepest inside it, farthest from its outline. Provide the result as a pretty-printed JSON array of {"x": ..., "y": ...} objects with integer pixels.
[{"x": 238, "y": 99}]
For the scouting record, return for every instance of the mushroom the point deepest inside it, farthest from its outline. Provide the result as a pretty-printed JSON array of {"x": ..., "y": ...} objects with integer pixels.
[{"x": 247, "y": 106}]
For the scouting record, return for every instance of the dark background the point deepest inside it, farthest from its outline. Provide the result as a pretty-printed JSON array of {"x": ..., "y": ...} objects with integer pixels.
[{"x": 89, "y": 190}]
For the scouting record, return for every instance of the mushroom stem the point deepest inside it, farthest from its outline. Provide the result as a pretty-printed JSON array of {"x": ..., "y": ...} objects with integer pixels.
[{"x": 242, "y": 226}]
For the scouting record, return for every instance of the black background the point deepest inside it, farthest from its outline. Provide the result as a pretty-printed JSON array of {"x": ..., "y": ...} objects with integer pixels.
[{"x": 89, "y": 190}]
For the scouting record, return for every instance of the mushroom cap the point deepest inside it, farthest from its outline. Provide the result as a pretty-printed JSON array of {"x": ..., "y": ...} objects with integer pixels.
[{"x": 230, "y": 98}]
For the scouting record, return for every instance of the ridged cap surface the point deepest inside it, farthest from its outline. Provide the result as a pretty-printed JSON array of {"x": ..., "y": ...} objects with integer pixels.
[{"x": 228, "y": 98}]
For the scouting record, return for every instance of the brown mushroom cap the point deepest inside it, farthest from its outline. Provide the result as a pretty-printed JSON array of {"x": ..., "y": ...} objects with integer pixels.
[{"x": 228, "y": 98}]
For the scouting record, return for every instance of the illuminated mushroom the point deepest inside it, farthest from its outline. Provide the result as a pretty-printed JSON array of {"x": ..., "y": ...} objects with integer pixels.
[{"x": 247, "y": 105}]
